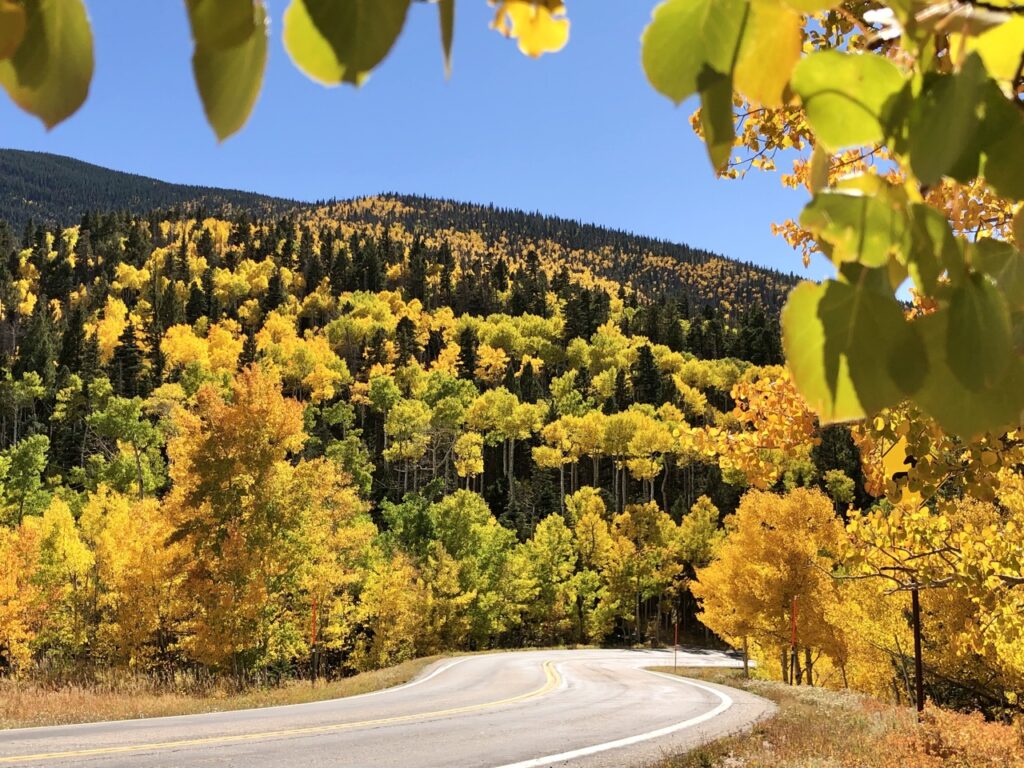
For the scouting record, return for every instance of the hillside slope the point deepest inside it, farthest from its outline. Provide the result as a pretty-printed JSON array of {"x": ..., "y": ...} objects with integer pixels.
[
  {"x": 56, "y": 190},
  {"x": 650, "y": 266},
  {"x": 53, "y": 189}
]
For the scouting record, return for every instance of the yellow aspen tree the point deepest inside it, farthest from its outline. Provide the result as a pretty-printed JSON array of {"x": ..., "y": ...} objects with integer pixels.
[{"x": 772, "y": 560}]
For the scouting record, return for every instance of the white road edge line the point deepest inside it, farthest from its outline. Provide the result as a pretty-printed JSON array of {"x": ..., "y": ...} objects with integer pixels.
[
  {"x": 724, "y": 704},
  {"x": 227, "y": 712},
  {"x": 402, "y": 687}
]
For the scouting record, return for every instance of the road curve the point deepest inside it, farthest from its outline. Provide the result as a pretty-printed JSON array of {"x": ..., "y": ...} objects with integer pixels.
[{"x": 503, "y": 710}]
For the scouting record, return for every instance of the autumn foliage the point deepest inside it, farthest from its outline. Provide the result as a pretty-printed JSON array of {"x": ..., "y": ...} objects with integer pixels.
[{"x": 325, "y": 444}]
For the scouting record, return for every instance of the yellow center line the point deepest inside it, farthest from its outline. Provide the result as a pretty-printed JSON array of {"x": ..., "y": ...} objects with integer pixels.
[{"x": 552, "y": 680}]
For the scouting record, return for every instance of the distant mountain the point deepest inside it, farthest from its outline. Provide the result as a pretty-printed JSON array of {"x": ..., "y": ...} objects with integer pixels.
[
  {"x": 53, "y": 189},
  {"x": 651, "y": 266}
]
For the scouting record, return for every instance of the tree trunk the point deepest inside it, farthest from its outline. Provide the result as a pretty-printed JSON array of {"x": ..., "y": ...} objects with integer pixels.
[
  {"x": 918, "y": 661},
  {"x": 138, "y": 470},
  {"x": 664, "y": 486},
  {"x": 511, "y": 472}
]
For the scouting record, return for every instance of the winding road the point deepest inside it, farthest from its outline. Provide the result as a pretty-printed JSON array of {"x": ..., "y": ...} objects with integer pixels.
[{"x": 501, "y": 710}]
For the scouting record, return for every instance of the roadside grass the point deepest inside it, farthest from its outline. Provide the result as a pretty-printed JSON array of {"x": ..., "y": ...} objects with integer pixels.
[
  {"x": 820, "y": 728},
  {"x": 120, "y": 696}
]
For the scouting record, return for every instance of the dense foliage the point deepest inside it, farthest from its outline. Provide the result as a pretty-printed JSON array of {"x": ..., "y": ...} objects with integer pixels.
[
  {"x": 319, "y": 441},
  {"x": 334, "y": 419},
  {"x": 908, "y": 120},
  {"x": 214, "y": 430},
  {"x": 52, "y": 191}
]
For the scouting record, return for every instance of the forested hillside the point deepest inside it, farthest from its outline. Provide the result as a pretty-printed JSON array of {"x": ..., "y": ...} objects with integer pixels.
[
  {"x": 443, "y": 406},
  {"x": 51, "y": 190},
  {"x": 56, "y": 190},
  {"x": 650, "y": 266},
  {"x": 335, "y": 437}
]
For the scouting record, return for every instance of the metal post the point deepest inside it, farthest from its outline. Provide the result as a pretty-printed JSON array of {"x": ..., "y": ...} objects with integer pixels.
[
  {"x": 312, "y": 641},
  {"x": 675, "y": 649}
]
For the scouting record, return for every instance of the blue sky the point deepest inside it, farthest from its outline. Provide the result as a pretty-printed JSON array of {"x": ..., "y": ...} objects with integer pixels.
[{"x": 578, "y": 134}]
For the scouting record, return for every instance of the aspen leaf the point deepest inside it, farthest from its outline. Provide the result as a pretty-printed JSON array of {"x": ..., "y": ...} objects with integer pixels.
[
  {"x": 12, "y": 27},
  {"x": 716, "y": 117},
  {"x": 446, "y": 14},
  {"x": 1004, "y": 264},
  {"x": 978, "y": 346},
  {"x": 849, "y": 98},
  {"x": 933, "y": 248},
  {"x": 336, "y": 41},
  {"x": 943, "y": 125},
  {"x": 50, "y": 73},
  {"x": 769, "y": 50},
  {"x": 958, "y": 409},
  {"x": 1001, "y": 48},
  {"x": 850, "y": 350},
  {"x": 820, "y": 161},
  {"x": 1002, "y": 141},
  {"x": 811, "y": 6},
  {"x": 866, "y": 228},
  {"x": 685, "y": 36},
  {"x": 229, "y": 66},
  {"x": 539, "y": 28},
  {"x": 224, "y": 23}
]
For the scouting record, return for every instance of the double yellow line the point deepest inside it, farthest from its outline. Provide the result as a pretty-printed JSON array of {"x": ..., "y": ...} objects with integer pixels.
[{"x": 552, "y": 680}]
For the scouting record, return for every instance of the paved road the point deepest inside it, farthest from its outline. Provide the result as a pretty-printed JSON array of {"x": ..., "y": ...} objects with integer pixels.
[{"x": 503, "y": 710}]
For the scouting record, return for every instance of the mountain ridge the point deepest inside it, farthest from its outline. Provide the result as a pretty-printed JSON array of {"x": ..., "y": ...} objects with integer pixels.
[{"x": 57, "y": 190}]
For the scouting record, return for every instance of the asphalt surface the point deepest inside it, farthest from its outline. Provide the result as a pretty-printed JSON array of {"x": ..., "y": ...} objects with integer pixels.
[{"x": 502, "y": 710}]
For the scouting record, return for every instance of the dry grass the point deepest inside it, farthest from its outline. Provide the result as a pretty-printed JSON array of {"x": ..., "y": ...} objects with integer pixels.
[
  {"x": 121, "y": 697},
  {"x": 818, "y": 728}
]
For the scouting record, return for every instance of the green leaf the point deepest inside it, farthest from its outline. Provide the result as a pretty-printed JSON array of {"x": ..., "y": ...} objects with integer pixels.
[
  {"x": 685, "y": 36},
  {"x": 943, "y": 125},
  {"x": 811, "y": 6},
  {"x": 446, "y": 10},
  {"x": 958, "y": 409},
  {"x": 1018, "y": 227},
  {"x": 820, "y": 162},
  {"x": 12, "y": 27},
  {"x": 228, "y": 69},
  {"x": 1002, "y": 139},
  {"x": 50, "y": 73},
  {"x": 224, "y": 23},
  {"x": 850, "y": 349},
  {"x": 933, "y": 247},
  {"x": 336, "y": 41},
  {"x": 978, "y": 343},
  {"x": 866, "y": 228},
  {"x": 1004, "y": 264},
  {"x": 849, "y": 98},
  {"x": 716, "y": 117}
]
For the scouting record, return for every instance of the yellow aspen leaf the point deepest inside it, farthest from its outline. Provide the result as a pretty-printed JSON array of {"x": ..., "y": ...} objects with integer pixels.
[
  {"x": 12, "y": 27},
  {"x": 769, "y": 50},
  {"x": 539, "y": 28},
  {"x": 1001, "y": 48}
]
